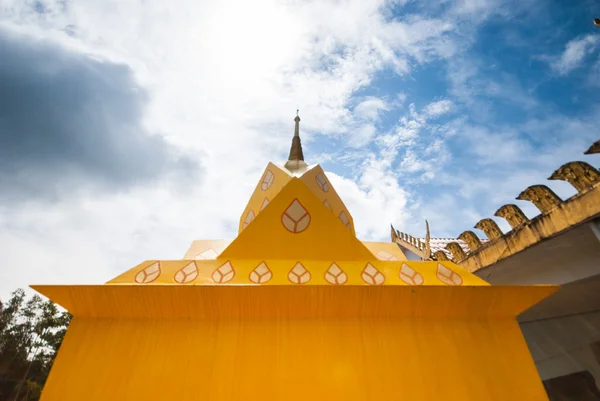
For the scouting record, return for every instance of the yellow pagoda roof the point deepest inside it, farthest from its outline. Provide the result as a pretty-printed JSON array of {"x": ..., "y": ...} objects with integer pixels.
[
  {"x": 294, "y": 231},
  {"x": 294, "y": 308}
]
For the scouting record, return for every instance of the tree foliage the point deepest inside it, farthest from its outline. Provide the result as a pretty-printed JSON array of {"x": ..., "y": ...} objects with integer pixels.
[{"x": 31, "y": 331}]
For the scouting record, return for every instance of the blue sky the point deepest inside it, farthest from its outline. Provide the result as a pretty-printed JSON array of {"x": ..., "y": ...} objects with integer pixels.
[{"x": 129, "y": 129}]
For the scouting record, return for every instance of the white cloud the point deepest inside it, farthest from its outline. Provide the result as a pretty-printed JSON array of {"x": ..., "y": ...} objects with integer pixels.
[
  {"x": 419, "y": 142},
  {"x": 493, "y": 147},
  {"x": 361, "y": 127},
  {"x": 360, "y": 135},
  {"x": 370, "y": 108},
  {"x": 223, "y": 80},
  {"x": 481, "y": 8},
  {"x": 575, "y": 52},
  {"x": 373, "y": 196},
  {"x": 437, "y": 109}
]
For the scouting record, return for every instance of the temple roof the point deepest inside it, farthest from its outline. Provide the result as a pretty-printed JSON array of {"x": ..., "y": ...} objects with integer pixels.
[
  {"x": 440, "y": 244},
  {"x": 556, "y": 217},
  {"x": 296, "y": 229},
  {"x": 417, "y": 244}
]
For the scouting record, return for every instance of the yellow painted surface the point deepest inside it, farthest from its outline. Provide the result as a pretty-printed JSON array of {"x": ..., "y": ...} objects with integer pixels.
[
  {"x": 280, "y": 179},
  {"x": 336, "y": 205},
  {"x": 324, "y": 238},
  {"x": 205, "y": 249},
  {"x": 281, "y": 267},
  {"x": 290, "y": 359},
  {"x": 294, "y": 308},
  {"x": 385, "y": 250},
  {"x": 268, "y": 302}
]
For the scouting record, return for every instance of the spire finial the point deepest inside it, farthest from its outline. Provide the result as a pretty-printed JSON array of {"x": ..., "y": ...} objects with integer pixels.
[
  {"x": 296, "y": 160},
  {"x": 297, "y": 128},
  {"x": 427, "y": 250}
]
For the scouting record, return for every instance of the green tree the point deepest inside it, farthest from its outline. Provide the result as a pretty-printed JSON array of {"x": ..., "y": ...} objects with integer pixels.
[{"x": 31, "y": 331}]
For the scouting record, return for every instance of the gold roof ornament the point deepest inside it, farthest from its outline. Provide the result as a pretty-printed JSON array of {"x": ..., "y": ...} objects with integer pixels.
[
  {"x": 427, "y": 250},
  {"x": 557, "y": 215},
  {"x": 595, "y": 148},
  {"x": 440, "y": 256},
  {"x": 394, "y": 234},
  {"x": 490, "y": 228},
  {"x": 473, "y": 242},
  {"x": 513, "y": 214},
  {"x": 457, "y": 252},
  {"x": 541, "y": 196},
  {"x": 581, "y": 175}
]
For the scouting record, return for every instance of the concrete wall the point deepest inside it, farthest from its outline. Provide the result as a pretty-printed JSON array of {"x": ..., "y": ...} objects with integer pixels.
[
  {"x": 569, "y": 257},
  {"x": 563, "y": 331},
  {"x": 564, "y": 345}
]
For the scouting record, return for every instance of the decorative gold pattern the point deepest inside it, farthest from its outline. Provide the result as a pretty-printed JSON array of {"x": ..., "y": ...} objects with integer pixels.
[
  {"x": 299, "y": 274},
  {"x": 456, "y": 250},
  {"x": 579, "y": 174},
  {"x": 473, "y": 242},
  {"x": 410, "y": 276},
  {"x": 447, "y": 276},
  {"x": 249, "y": 217},
  {"x": 541, "y": 196},
  {"x": 224, "y": 273},
  {"x": 264, "y": 204},
  {"x": 490, "y": 228},
  {"x": 261, "y": 274},
  {"x": 513, "y": 214},
  {"x": 372, "y": 276},
  {"x": 322, "y": 182},
  {"x": 344, "y": 219},
  {"x": 148, "y": 274},
  {"x": 267, "y": 181},
  {"x": 335, "y": 275},
  {"x": 187, "y": 273},
  {"x": 295, "y": 218}
]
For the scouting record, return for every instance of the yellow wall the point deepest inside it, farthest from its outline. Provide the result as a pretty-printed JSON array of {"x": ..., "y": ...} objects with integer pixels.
[
  {"x": 231, "y": 301},
  {"x": 288, "y": 359}
]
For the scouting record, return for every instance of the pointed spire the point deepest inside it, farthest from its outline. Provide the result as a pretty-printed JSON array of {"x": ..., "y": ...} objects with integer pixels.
[
  {"x": 296, "y": 149},
  {"x": 295, "y": 161},
  {"x": 427, "y": 250}
]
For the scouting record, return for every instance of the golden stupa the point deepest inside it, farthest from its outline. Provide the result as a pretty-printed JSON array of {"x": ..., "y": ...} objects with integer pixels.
[{"x": 294, "y": 308}]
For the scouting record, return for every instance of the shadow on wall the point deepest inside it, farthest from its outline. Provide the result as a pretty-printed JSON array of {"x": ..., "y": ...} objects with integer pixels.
[{"x": 579, "y": 386}]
